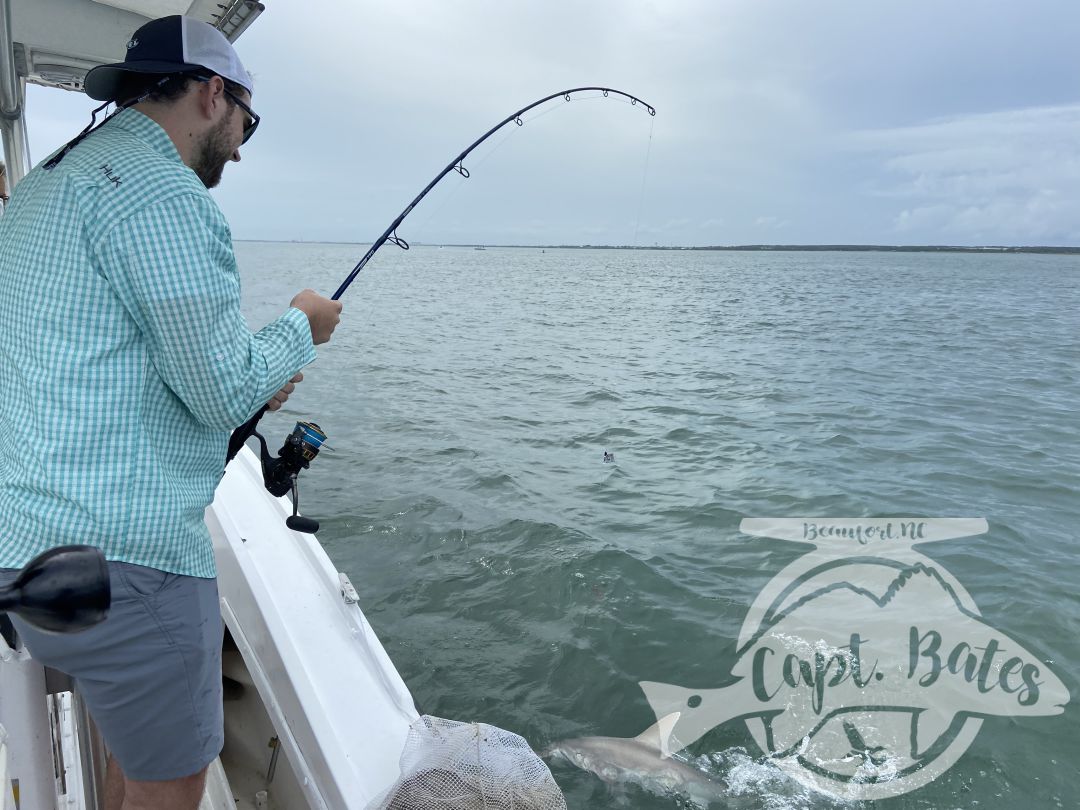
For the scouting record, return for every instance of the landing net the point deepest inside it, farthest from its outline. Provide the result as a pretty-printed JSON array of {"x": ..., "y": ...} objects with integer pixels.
[{"x": 448, "y": 765}]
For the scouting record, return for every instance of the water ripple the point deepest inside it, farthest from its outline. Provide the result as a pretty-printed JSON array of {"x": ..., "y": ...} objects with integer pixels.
[{"x": 516, "y": 578}]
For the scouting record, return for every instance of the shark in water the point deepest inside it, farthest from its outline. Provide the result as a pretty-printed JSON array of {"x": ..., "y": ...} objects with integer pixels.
[
  {"x": 644, "y": 760},
  {"x": 872, "y": 684}
]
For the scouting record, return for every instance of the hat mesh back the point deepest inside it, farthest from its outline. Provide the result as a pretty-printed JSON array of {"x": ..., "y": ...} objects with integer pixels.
[{"x": 205, "y": 45}]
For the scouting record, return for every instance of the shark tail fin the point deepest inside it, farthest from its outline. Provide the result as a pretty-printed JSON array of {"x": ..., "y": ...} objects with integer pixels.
[{"x": 658, "y": 735}]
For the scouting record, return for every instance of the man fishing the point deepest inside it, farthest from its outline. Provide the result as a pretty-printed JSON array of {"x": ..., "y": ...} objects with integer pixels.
[{"x": 126, "y": 363}]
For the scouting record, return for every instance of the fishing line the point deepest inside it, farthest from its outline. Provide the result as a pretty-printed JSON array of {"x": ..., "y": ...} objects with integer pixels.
[
  {"x": 460, "y": 182},
  {"x": 644, "y": 177}
]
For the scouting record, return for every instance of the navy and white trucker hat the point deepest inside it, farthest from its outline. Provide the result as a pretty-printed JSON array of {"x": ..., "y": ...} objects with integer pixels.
[{"x": 167, "y": 45}]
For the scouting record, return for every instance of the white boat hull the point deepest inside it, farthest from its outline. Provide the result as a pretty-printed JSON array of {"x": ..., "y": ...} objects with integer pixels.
[
  {"x": 338, "y": 705},
  {"x": 316, "y": 715}
]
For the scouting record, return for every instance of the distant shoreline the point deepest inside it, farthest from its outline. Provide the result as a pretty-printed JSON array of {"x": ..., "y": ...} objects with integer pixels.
[
  {"x": 775, "y": 248},
  {"x": 820, "y": 248}
]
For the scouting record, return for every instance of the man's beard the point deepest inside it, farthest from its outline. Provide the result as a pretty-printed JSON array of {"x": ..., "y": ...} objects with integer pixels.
[{"x": 213, "y": 153}]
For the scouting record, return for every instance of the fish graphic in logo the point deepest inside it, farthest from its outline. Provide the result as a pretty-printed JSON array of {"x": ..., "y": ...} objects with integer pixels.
[{"x": 864, "y": 667}]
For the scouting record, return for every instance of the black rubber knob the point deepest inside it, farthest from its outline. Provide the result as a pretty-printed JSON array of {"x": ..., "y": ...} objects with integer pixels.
[
  {"x": 63, "y": 590},
  {"x": 299, "y": 523}
]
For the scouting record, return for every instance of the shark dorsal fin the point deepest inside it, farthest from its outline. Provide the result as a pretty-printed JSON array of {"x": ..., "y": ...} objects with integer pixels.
[{"x": 658, "y": 735}]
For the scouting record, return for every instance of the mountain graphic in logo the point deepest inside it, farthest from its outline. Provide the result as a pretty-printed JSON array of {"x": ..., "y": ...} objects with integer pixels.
[{"x": 864, "y": 667}]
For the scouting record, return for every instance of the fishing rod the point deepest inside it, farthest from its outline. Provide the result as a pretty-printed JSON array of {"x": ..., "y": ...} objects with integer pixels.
[
  {"x": 390, "y": 234},
  {"x": 303, "y": 444}
]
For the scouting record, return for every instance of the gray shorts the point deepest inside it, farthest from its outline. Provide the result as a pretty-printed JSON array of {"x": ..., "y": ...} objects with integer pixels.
[{"x": 150, "y": 673}]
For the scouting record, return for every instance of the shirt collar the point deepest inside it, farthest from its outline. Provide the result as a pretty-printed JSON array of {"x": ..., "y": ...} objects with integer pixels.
[{"x": 147, "y": 130}]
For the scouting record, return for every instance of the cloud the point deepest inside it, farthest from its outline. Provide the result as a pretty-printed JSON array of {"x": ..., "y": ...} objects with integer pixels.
[
  {"x": 827, "y": 118},
  {"x": 770, "y": 223},
  {"x": 1007, "y": 176}
]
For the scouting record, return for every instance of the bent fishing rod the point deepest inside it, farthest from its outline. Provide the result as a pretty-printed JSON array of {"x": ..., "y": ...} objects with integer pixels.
[
  {"x": 457, "y": 164},
  {"x": 303, "y": 444}
]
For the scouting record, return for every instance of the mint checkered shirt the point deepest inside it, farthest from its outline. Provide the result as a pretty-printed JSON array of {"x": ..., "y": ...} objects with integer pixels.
[{"x": 124, "y": 359}]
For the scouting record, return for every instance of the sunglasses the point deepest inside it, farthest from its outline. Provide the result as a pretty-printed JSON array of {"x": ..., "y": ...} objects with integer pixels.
[{"x": 253, "y": 117}]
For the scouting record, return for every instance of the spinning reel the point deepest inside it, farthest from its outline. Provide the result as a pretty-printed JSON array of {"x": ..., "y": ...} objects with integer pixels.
[{"x": 280, "y": 473}]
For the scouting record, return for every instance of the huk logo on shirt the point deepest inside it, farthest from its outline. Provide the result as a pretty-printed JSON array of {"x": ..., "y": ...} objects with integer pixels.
[
  {"x": 865, "y": 667},
  {"x": 106, "y": 169}
]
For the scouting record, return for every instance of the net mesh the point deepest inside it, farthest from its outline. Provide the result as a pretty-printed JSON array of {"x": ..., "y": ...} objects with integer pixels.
[{"x": 448, "y": 765}]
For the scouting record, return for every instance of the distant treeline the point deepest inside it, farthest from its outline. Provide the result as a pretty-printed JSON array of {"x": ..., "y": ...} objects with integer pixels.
[{"x": 852, "y": 248}]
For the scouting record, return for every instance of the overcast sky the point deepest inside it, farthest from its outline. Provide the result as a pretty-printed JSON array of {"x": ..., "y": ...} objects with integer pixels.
[{"x": 805, "y": 121}]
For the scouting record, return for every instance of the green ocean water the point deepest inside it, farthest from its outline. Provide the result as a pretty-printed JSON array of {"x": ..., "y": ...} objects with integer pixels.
[{"x": 517, "y": 579}]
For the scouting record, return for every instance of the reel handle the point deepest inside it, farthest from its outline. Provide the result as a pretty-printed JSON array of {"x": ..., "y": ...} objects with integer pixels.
[{"x": 299, "y": 523}]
